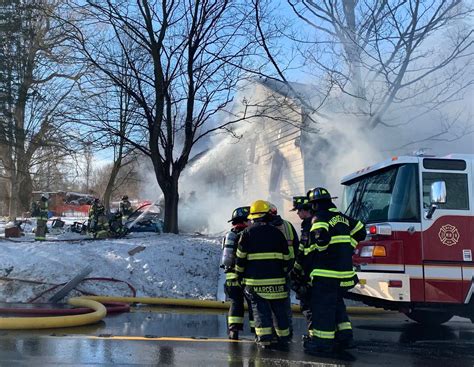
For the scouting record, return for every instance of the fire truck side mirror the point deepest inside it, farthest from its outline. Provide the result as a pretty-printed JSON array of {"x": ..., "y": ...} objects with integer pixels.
[
  {"x": 437, "y": 196},
  {"x": 438, "y": 192}
]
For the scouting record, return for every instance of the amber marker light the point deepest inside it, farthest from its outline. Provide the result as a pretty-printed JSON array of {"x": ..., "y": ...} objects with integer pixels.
[{"x": 379, "y": 251}]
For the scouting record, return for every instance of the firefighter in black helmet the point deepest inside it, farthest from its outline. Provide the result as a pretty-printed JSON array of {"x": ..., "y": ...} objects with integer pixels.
[
  {"x": 40, "y": 211},
  {"x": 262, "y": 264},
  {"x": 125, "y": 207},
  {"x": 333, "y": 237},
  {"x": 233, "y": 289},
  {"x": 98, "y": 222}
]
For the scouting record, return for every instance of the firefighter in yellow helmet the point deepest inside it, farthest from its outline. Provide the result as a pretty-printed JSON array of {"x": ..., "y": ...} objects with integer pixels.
[
  {"x": 262, "y": 265},
  {"x": 333, "y": 237}
]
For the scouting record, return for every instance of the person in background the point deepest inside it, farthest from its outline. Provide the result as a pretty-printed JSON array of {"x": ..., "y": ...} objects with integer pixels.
[
  {"x": 292, "y": 240},
  {"x": 233, "y": 289},
  {"x": 300, "y": 282},
  {"x": 98, "y": 222},
  {"x": 262, "y": 265},
  {"x": 288, "y": 231},
  {"x": 125, "y": 207},
  {"x": 328, "y": 257},
  {"x": 40, "y": 211}
]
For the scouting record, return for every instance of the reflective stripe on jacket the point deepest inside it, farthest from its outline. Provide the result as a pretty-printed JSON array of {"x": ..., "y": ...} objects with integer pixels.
[
  {"x": 333, "y": 237},
  {"x": 262, "y": 260}
]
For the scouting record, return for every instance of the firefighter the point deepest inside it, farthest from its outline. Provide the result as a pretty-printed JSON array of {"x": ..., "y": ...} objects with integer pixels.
[
  {"x": 125, "y": 207},
  {"x": 288, "y": 231},
  {"x": 292, "y": 240},
  {"x": 92, "y": 215},
  {"x": 233, "y": 289},
  {"x": 40, "y": 211},
  {"x": 300, "y": 282},
  {"x": 333, "y": 237},
  {"x": 116, "y": 227},
  {"x": 98, "y": 222},
  {"x": 261, "y": 264}
]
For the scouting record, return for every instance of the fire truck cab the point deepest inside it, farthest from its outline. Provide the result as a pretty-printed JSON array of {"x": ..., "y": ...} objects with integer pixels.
[{"x": 417, "y": 257}]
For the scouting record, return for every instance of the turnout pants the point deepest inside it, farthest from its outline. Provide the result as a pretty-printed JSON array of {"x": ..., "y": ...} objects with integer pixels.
[
  {"x": 271, "y": 317},
  {"x": 102, "y": 227},
  {"x": 329, "y": 317},
  {"x": 235, "y": 293},
  {"x": 40, "y": 233},
  {"x": 305, "y": 305}
]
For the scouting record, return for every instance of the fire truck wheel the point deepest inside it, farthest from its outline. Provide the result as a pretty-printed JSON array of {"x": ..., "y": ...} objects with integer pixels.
[{"x": 432, "y": 318}]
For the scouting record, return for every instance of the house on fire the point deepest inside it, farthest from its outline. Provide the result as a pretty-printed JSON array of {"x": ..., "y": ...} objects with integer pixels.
[{"x": 269, "y": 155}]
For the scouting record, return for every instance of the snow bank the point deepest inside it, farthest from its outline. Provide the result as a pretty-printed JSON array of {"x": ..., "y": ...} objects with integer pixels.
[{"x": 180, "y": 266}]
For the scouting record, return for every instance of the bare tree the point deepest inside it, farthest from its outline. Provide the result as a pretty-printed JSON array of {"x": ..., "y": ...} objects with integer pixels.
[
  {"x": 37, "y": 83},
  {"x": 185, "y": 59},
  {"x": 107, "y": 115},
  {"x": 384, "y": 56},
  {"x": 126, "y": 180}
]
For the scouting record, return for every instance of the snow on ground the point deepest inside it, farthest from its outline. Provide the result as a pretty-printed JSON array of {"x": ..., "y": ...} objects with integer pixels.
[{"x": 179, "y": 266}]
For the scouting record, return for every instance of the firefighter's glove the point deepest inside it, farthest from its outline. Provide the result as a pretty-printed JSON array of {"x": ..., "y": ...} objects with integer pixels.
[
  {"x": 295, "y": 277},
  {"x": 300, "y": 289}
]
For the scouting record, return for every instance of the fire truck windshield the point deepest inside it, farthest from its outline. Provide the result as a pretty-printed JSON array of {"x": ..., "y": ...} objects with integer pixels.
[{"x": 388, "y": 195}]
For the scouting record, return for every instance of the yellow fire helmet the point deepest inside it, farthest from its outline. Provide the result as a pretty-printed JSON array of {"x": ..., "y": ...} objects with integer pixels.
[{"x": 258, "y": 209}]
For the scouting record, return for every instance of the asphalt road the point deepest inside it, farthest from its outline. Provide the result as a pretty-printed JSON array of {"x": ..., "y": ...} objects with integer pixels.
[{"x": 170, "y": 337}]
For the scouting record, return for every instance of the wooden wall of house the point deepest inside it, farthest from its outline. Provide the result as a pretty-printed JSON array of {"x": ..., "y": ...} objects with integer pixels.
[{"x": 267, "y": 162}]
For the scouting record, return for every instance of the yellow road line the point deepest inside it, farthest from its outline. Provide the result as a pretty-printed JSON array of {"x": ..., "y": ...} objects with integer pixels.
[{"x": 158, "y": 338}]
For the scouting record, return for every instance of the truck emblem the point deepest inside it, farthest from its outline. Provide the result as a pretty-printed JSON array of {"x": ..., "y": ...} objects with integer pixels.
[{"x": 448, "y": 235}]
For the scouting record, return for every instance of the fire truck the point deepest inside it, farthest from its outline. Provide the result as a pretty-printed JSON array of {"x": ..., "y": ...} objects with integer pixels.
[{"x": 417, "y": 256}]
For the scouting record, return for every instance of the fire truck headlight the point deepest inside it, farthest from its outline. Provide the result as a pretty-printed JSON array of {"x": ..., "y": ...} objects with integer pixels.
[{"x": 366, "y": 251}]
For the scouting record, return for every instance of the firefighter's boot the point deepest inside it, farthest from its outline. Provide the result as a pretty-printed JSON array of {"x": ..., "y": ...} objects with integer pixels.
[
  {"x": 318, "y": 347},
  {"x": 234, "y": 334},
  {"x": 347, "y": 343},
  {"x": 305, "y": 338},
  {"x": 345, "y": 339}
]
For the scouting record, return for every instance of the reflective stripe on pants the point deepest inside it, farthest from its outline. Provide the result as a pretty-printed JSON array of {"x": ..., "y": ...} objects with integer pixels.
[
  {"x": 235, "y": 294},
  {"x": 270, "y": 316},
  {"x": 329, "y": 316}
]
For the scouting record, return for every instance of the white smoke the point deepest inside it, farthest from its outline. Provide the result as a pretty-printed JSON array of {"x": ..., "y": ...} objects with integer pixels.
[
  {"x": 342, "y": 145},
  {"x": 215, "y": 201},
  {"x": 350, "y": 148}
]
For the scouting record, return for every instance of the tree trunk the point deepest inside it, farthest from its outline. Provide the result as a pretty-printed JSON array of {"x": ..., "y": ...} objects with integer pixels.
[
  {"x": 353, "y": 52},
  {"x": 171, "y": 195},
  {"x": 25, "y": 185},
  {"x": 111, "y": 183},
  {"x": 14, "y": 190}
]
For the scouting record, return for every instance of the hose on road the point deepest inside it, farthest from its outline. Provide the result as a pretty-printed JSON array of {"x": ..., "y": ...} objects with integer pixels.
[
  {"x": 23, "y": 323},
  {"x": 112, "y": 307},
  {"x": 193, "y": 303}
]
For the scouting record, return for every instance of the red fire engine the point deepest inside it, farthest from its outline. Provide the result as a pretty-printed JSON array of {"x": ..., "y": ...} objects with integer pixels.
[{"x": 417, "y": 257}]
